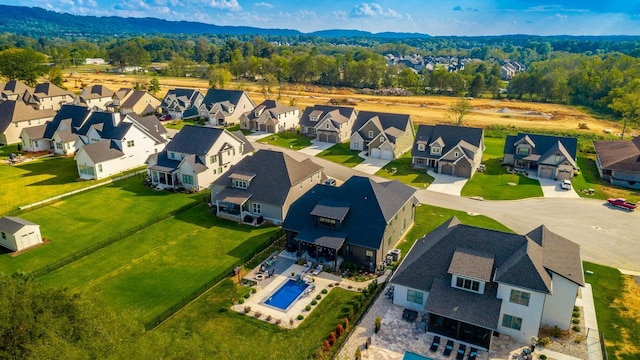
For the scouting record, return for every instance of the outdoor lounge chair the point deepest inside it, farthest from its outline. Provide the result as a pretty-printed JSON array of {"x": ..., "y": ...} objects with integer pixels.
[
  {"x": 435, "y": 343},
  {"x": 317, "y": 270},
  {"x": 473, "y": 353},
  {"x": 307, "y": 266},
  {"x": 448, "y": 348},
  {"x": 461, "y": 350}
]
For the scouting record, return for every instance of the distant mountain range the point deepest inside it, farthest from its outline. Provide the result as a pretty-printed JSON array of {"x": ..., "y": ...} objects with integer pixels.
[{"x": 36, "y": 22}]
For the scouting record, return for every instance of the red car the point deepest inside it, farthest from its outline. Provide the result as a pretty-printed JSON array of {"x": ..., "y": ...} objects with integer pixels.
[
  {"x": 622, "y": 203},
  {"x": 165, "y": 117}
]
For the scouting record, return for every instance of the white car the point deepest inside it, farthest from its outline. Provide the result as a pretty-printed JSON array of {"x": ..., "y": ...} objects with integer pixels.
[{"x": 566, "y": 184}]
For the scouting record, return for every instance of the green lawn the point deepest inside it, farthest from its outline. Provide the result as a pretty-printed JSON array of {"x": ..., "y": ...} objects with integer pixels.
[
  {"x": 588, "y": 178},
  {"x": 430, "y": 217},
  {"x": 153, "y": 269},
  {"x": 226, "y": 334},
  {"x": 341, "y": 154},
  {"x": 496, "y": 183},
  {"x": 287, "y": 139},
  {"x": 615, "y": 309},
  {"x": 405, "y": 173},
  {"x": 81, "y": 220},
  {"x": 178, "y": 124}
]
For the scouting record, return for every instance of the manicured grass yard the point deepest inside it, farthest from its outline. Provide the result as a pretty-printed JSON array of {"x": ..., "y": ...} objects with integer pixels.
[
  {"x": 405, "y": 173},
  {"x": 495, "y": 183},
  {"x": 81, "y": 220},
  {"x": 617, "y": 302},
  {"x": 227, "y": 334},
  {"x": 178, "y": 124},
  {"x": 153, "y": 269},
  {"x": 287, "y": 139},
  {"x": 588, "y": 178},
  {"x": 341, "y": 154},
  {"x": 37, "y": 180}
]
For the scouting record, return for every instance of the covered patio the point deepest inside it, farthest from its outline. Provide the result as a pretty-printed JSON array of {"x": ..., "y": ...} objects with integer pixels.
[
  {"x": 320, "y": 245},
  {"x": 232, "y": 204}
]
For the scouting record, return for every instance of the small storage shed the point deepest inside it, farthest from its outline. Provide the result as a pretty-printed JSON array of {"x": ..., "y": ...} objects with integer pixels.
[{"x": 18, "y": 234}]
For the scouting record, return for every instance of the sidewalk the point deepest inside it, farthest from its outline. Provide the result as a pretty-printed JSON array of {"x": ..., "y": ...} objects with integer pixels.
[{"x": 591, "y": 323}]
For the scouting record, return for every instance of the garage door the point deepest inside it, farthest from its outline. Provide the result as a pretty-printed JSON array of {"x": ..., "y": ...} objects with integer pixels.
[
  {"x": 564, "y": 175},
  {"x": 263, "y": 127},
  {"x": 271, "y": 128},
  {"x": 386, "y": 155},
  {"x": 333, "y": 139},
  {"x": 546, "y": 173},
  {"x": 322, "y": 137},
  {"x": 375, "y": 153},
  {"x": 447, "y": 169},
  {"x": 463, "y": 169}
]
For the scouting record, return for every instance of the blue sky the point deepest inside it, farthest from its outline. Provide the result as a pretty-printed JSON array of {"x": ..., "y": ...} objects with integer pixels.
[{"x": 434, "y": 17}]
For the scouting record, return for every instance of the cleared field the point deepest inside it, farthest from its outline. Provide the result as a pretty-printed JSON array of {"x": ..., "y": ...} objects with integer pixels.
[
  {"x": 155, "y": 268},
  {"x": 82, "y": 220}
]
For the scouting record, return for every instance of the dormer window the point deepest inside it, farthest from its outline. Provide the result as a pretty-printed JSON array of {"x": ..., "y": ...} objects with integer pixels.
[
  {"x": 327, "y": 126},
  {"x": 523, "y": 150},
  {"x": 557, "y": 158},
  {"x": 240, "y": 184},
  {"x": 421, "y": 147},
  {"x": 327, "y": 221},
  {"x": 436, "y": 150},
  {"x": 381, "y": 138},
  {"x": 231, "y": 108},
  {"x": 370, "y": 134},
  {"x": 467, "y": 284}
]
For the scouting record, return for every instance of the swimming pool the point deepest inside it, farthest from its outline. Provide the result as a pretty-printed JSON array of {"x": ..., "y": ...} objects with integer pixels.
[
  {"x": 286, "y": 294},
  {"x": 408, "y": 355}
]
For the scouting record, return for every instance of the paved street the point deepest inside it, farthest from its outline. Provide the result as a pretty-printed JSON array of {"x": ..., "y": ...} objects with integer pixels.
[{"x": 607, "y": 236}]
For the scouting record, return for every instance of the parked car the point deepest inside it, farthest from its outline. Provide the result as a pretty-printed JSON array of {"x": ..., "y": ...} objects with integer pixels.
[
  {"x": 165, "y": 117},
  {"x": 622, "y": 203},
  {"x": 330, "y": 182},
  {"x": 566, "y": 184}
]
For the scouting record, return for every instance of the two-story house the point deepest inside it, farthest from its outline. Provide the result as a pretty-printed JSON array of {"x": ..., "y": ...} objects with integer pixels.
[
  {"x": 16, "y": 115},
  {"x": 224, "y": 107},
  {"x": 271, "y": 116},
  {"x": 182, "y": 103},
  {"x": 474, "y": 283},
  {"x": 382, "y": 135},
  {"x": 95, "y": 97},
  {"x": 197, "y": 156},
  {"x": 14, "y": 90},
  {"x": 447, "y": 149},
  {"x": 127, "y": 101},
  {"x": 61, "y": 131},
  {"x": 359, "y": 221},
  {"x": 551, "y": 157},
  {"x": 262, "y": 187},
  {"x": 48, "y": 96},
  {"x": 328, "y": 123},
  {"x": 110, "y": 143}
]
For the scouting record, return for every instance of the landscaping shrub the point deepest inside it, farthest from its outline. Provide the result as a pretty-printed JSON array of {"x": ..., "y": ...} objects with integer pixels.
[
  {"x": 308, "y": 307},
  {"x": 324, "y": 291},
  {"x": 313, "y": 302},
  {"x": 576, "y": 314},
  {"x": 247, "y": 295},
  {"x": 578, "y": 339},
  {"x": 241, "y": 301},
  {"x": 544, "y": 341},
  {"x": 253, "y": 290},
  {"x": 575, "y": 328},
  {"x": 339, "y": 330},
  {"x": 318, "y": 297},
  {"x": 258, "y": 314},
  {"x": 346, "y": 322},
  {"x": 358, "y": 354},
  {"x": 300, "y": 317},
  {"x": 575, "y": 308},
  {"x": 326, "y": 346},
  {"x": 247, "y": 309},
  {"x": 332, "y": 338},
  {"x": 575, "y": 321},
  {"x": 543, "y": 357},
  {"x": 268, "y": 318}
]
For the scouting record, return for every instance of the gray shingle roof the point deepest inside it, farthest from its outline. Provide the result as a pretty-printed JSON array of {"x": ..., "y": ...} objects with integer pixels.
[
  {"x": 543, "y": 143},
  {"x": 331, "y": 209},
  {"x": 372, "y": 206},
  {"x": 332, "y": 239},
  {"x": 196, "y": 140},
  {"x": 450, "y": 135},
  {"x": 471, "y": 263},
  {"x": 214, "y": 96},
  {"x": 163, "y": 163},
  {"x": 619, "y": 155},
  {"x": 76, "y": 113},
  {"x": 36, "y": 132},
  {"x": 342, "y": 111},
  {"x": 102, "y": 151},
  {"x": 12, "y": 224},
  {"x": 49, "y": 90},
  {"x": 391, "y": 124},
  {"x": 275, "y": 174}
]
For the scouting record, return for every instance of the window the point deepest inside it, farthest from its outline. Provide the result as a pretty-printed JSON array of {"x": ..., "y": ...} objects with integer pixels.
[
  {"x": 468, "y": 284},
  {"x": 381, "y": 138},
  {"x": 213, "y": 159},
  {"x": 327, "y": 222},
  {"x": 59, "y": 145},
  {"x": 421, "y": 147},
  {"x": 86, "y": 170},
  {"x": 436, "y": 150},
  {"x": 130, "y": 143},
  {"x": 29, "y": 122},
  {"x": 187, "y": 179},
  {"x": 512, "y": 322},
  {"x": 35, "y": 143},
  {"x": 15, "y": 124},
  {"x": 99, "y": 167},
  {"x": 356, "y": 145},
  {"x": 414, "y": 296},
  {"x": 369, "y": 255},
  {"x": 327, "y": 126},
  {"x": 519, "y": 297},
  {"x": 220, "y": 170},
  {"x": 4, "y": 236},
  {"x": 456, "y": 154},
  {"x": 557, "y": 158},
  {"x": 172, "y": 155},
  {"x": 523, "y": 150},
  {"x": 240, "y": 184},
  {"x": 370, "y": 133},
  {"x": 257, "y": 208}
]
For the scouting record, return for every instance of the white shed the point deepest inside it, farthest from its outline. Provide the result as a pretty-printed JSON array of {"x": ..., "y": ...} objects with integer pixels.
[{"x": 18, "y": 234}]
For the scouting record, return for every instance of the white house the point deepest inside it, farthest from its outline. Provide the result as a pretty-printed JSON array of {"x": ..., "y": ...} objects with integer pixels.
[
  {"x": 33, "y": 139},
  {"x": 110, "y": 143},
  {"x": 18, "y": 234},
  {"x": 271, "y": 116},
  {"x": 16, "y": 115},
  {"x": 474, "y": 282},
  {"x": 196, "y": 156},
  {"x": 97, "y": 97},
  {"x": 224, "y": 107},
  {"x": 182, "y": 103},
  {"x": 48, "y": 96},
  {"x": 61, "y": 131}
]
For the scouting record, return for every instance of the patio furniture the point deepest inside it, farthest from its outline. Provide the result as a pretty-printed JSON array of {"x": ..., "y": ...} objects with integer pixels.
[
  {"x": 317, "y": 270},
  {"x": 435, "y": 343},
  {"x": 473, "y": 353},
  {"x": 307, "y": 267},
  {"x": 461, "y": 350},
  {"x": 448, "y": 348},
  {"x": 409, "y": 315}
]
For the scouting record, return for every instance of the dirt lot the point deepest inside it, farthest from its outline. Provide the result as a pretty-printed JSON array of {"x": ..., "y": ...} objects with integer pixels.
[{"x": 423, "y": 109}]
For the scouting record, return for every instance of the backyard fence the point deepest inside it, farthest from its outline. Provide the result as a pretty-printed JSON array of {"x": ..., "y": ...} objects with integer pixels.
[
  {"x": 101, "y": 244},
  {"x": 605, "y": 356},
  {"x": 229, "y": 271}
]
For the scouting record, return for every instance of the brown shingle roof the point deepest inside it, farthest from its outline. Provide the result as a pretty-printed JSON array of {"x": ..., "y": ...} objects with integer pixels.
[
  {"x": 621, "y": 155},
  {"x": 16, "y": 111}
]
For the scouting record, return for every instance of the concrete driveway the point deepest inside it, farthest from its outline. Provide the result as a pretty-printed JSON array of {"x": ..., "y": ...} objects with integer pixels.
[
  {"x": 446, "y": 184},
  {"x": 370, "y": 165},
  {"x": 551, "y": 189},
  {"x": 257, "y": 135},
  {"x": 316, "y": 148}
]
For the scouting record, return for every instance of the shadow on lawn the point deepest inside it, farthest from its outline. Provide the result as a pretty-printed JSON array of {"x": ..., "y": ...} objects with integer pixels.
[
  {"x": 61, "y": 170},
  {"x": 250, "y": 244}
]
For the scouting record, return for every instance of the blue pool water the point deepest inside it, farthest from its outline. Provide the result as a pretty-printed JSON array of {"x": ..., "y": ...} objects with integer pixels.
[
  {"x": 413, "y": 356},
  {"x": 286, "y": 294}
]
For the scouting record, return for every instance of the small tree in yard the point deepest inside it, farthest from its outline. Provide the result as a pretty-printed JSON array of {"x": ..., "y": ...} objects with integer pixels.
[
  {"x": 377, "y": 324},
  {"x": 326, "y": 346},
  {"x": 459, "y": 110},
  {"x": 339, "y": 330},
  {"x": 332, "y": 338}
]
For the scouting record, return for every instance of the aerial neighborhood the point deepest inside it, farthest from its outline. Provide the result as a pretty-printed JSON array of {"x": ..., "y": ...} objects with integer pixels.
[{"x": 475, "y": 287}]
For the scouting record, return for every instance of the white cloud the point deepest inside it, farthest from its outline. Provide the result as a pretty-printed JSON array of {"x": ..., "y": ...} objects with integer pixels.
[
  {"x": 560, "y": 16},
  {"x": 225, "y": 5},
  {"x": 339, "y": 15},
  {"x": 373, "y": 10},
  {"x": 263, "y": 4}
]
